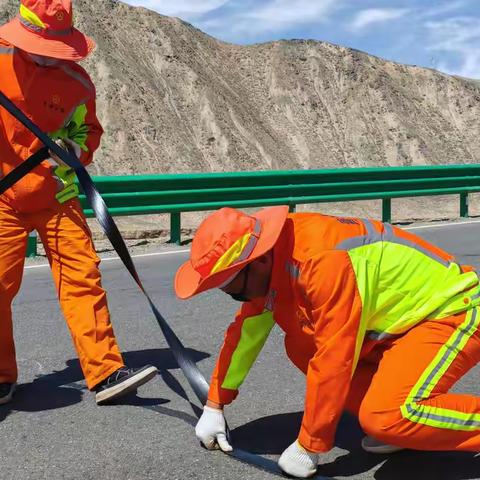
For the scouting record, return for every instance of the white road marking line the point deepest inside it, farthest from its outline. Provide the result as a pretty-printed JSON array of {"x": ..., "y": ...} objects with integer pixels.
[
  {"x": 155, "y": 254},
  {"x": 439, "y": 225},
  {"x": 109, "y": 259}
]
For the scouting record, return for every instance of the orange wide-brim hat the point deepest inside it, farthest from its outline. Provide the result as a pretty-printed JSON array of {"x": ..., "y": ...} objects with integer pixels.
[
  {"x": 225, "y": 242},
  {"x": 44, "y": 27}
]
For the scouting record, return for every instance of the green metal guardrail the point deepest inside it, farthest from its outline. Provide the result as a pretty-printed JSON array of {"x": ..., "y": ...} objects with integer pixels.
[{"x": 147, "y": 194}]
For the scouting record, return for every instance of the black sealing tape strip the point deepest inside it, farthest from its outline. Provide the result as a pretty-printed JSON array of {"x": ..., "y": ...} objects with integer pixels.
[
  {"x": 15, "y": 175},
  {"x": 195, "y": 378}
]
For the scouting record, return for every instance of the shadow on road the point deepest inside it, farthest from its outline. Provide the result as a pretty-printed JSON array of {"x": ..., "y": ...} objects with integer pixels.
[
  {"x": 66, "y": 387},
  {"x": 271, "y": 435}
]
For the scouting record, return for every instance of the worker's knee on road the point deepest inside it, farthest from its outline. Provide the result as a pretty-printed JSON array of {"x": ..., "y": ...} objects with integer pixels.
[{"x": 384, "y": 424}]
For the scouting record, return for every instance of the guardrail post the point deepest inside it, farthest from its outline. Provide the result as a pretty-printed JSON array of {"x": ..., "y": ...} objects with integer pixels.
[
  {"x": 32, "y": 244},
  {"x": 292, "y": 208},
  {"x": 386, "y": 210},
  {"x": 175, "y": 228},
  {"x": 464, "y": 205}
]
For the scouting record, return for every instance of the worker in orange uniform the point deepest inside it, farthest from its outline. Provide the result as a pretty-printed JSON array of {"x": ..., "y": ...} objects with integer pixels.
[
  {"x": 381, "y": 322},
  {"x": 38, "y": 53}
]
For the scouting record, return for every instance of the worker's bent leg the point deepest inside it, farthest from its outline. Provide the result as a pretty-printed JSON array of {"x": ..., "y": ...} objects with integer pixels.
[
  {"x": 69, "y": 247},
  {"x": 408, "y": 404}
]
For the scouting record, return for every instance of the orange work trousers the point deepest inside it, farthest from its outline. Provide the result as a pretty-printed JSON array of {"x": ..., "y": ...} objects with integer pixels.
[
  {"x": 67, "y": 240},
  {"x": 400, "y": 390}
]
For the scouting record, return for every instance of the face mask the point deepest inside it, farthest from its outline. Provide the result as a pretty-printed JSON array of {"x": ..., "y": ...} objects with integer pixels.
[
  {"x": 44, "y": 61},
  {"x": 240, "y": 296}
]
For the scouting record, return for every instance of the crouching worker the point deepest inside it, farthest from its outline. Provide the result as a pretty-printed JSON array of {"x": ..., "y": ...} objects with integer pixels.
[
  {"x": 38, "y": 54},
  {"x": 381, "y": 322}
]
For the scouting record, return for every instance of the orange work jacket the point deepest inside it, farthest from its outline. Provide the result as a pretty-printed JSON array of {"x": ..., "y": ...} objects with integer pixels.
[
  {"x": 49, "y": 97},
  {"x": 339, "y": 287}
]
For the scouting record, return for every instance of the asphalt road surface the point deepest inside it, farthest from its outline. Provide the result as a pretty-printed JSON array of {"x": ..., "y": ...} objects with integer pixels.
[{"x": 54, "y": 430}]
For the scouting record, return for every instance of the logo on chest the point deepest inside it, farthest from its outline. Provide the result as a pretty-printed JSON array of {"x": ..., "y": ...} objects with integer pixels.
[{"x": 54, "y": 103}]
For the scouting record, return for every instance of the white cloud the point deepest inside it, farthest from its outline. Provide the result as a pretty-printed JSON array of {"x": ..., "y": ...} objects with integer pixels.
[
  {"x": 183, "y": 8},
  {"x": 281, "y": 15},
  {"x": 369, "y": 16},
  {"x": 458, "y": 36},
  {"x": 447, "y": 7},
  {"x": 292, "y": 12}
]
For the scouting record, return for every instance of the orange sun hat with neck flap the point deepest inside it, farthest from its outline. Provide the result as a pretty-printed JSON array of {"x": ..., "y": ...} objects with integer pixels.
[
  {"x": 225, "y": 242},
  {"x": 45, "y": 27}
]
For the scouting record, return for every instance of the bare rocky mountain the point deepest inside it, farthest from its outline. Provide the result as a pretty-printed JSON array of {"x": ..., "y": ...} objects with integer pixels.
[{"x": 173, "y": 99}]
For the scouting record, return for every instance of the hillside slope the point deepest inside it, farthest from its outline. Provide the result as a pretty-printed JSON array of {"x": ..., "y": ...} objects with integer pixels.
[{"x": 173, "y": 99}]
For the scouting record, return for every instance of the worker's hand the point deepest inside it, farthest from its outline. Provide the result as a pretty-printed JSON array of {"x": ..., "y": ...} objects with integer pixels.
[
  {"x": 298, "y": 462},
  {"x": 68, "y": 145},
  {"x": 211, "y": 429},
  {"x": 64, "y": 175},
  {"x": 66, "y": 189}
]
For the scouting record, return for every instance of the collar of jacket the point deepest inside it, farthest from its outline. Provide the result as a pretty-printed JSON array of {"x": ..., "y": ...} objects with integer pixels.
[{"x": 282, "y": 254}]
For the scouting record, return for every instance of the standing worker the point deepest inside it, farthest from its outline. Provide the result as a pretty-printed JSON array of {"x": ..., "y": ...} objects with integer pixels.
[
  {"x": 381, "y": 322},
  {"x": 38, "y": 53}
]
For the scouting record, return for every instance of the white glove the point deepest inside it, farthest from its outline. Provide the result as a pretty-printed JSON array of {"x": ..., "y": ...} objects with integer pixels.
[
  {"x": 73, "y": 147},
  {"x": 211, "y": 429},
  {"x": 66, "y": 144},
  {"x": 296, "y": 461}
]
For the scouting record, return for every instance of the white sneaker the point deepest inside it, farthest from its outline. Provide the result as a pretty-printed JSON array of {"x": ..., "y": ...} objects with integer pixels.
[{"x": 369, "y": 444}]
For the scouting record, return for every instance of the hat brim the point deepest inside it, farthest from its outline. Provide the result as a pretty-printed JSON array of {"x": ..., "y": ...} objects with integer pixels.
[
  {"x": 75, "y": 46},
  {"x": 188, "y": 281}
]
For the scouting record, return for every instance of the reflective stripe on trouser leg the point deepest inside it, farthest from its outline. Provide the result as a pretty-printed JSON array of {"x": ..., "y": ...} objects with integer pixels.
[{"x": 449, "y": 419}]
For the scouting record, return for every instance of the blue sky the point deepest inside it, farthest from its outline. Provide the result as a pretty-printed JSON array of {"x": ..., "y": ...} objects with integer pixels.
[{"x": 433, "y": 33}]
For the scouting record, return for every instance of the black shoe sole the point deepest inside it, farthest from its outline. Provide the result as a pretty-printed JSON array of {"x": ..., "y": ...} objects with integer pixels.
[
  {"x": 8, "y": 398},
  {"x": 127, "y": 386}
]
